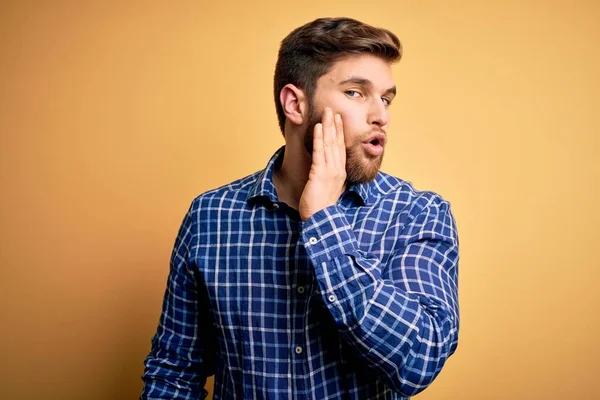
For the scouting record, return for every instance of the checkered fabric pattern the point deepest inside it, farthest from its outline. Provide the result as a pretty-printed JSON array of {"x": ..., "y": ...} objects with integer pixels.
[{"x": 358, "y": 302}]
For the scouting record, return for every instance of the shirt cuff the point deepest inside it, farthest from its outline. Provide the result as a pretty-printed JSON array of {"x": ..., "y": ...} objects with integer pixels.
[{"x": 327, "y": 235}]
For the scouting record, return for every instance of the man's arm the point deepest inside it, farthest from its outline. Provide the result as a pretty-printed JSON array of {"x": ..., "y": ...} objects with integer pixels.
[
  {"x": 404, "y": 326},
  {"x": 183, "y": 349}
]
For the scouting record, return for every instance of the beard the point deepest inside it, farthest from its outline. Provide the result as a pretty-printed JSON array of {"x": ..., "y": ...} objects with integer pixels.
[{"x": 360, "y": 167}]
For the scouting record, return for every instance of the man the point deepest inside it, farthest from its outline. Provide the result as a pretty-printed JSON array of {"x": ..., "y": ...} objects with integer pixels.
[{"x": 319, "y": 277}]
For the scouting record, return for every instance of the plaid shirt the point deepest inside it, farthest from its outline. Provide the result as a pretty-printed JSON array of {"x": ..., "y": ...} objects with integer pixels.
[{"x": 358, "y": 302}]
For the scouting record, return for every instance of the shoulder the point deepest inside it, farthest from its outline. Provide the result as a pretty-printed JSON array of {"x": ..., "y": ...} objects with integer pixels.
[
  {"x": 404, "y": 196},
  {"x": 226, "y": 196},
  {"x": 420, "y": 212}
]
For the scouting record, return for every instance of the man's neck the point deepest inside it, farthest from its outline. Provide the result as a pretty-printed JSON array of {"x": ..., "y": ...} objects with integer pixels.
[{"x": 291, "y": 177}]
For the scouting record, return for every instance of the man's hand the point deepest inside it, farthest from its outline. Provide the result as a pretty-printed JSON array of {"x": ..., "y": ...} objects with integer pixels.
[{"x": 327, "y": 176}]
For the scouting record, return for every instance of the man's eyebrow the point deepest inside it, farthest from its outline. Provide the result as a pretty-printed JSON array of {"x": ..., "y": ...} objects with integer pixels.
[{"x": 366, "y": 83}]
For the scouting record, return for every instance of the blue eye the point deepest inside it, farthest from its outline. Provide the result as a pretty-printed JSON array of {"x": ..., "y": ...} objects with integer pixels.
[
  {"x": 352, "y": 91},
  {"x": 386, "y": 101}
]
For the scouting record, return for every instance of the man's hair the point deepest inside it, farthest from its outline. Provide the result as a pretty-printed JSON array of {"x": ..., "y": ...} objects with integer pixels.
[{"x": 310, "y": 51}]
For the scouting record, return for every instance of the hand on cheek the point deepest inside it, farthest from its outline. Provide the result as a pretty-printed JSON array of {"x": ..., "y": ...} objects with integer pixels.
[{"x": 327, "y": 175}]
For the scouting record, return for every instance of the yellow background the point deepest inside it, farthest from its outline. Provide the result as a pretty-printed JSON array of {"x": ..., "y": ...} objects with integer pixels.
[{"x": 115, "y": 115}]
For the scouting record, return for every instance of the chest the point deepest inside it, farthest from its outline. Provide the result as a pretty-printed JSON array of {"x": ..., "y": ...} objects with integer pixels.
[
  {"x": 251, "y": 263},
  {"x": 255, "y": 267}
]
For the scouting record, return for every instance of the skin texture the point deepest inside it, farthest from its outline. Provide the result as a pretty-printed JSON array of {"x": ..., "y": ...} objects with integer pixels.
[{"x": 324, "y": 143}]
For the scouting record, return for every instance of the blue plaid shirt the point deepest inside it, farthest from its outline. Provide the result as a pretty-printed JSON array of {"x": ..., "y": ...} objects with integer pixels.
[{"x": 358, "y": 302}]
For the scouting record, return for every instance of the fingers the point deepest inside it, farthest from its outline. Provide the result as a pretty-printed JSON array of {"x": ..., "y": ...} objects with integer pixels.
[
  {"x": 318, "y": 157},
  {"x": 329, "y": 137},
  {"x": 341, "y": 139},
  {"x": 329, "y": 143}
]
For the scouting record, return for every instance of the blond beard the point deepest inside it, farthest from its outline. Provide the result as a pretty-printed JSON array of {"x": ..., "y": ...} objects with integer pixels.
[{"x": 359, "y": 169}]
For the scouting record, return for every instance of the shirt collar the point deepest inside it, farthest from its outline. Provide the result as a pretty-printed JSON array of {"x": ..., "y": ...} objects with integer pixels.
[{"x": 264, "y": 188}]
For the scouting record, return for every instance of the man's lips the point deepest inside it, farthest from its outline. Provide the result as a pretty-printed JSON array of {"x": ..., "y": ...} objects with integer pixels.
[
  {"x": 376, "y": 139},
  {"x": 374, "y": 144},
  {"x": 373, "y": 149}
]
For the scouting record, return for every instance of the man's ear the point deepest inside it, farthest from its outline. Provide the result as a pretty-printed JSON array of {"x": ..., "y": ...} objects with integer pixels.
[{"x": 293, "y": 101}]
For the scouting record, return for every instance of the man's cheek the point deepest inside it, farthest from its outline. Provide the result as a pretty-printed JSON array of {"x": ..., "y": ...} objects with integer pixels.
[{"x": 349, "y": 131}]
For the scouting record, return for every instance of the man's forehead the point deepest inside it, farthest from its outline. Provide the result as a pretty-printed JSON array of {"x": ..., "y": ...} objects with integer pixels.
[{"x": 370, "y": 68}]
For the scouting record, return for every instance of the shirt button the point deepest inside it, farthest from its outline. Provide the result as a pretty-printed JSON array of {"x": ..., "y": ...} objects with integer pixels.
[
  {"x": 298, "y": 350},
  {"x": 331, "y": 298},
  {"x": 275, "y": 206},
  {"x": 312, "y": 240},
  {"x": 300, "y": 289}
]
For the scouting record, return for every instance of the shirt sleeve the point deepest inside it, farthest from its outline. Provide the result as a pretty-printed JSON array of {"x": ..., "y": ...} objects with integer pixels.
[
  {"x": 183, "y": 349},
  {"x": 404, "y": 326}
]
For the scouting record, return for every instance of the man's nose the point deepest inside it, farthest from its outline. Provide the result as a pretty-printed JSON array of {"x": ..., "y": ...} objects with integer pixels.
[{"x": 378, "y": 114}]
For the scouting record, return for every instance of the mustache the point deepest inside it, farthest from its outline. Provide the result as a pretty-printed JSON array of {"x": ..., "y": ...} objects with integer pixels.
[{"x": 373, "y": 132}]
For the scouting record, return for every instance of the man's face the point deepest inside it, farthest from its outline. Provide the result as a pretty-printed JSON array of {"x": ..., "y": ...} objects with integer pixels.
[{"x": 360, "y": 88}]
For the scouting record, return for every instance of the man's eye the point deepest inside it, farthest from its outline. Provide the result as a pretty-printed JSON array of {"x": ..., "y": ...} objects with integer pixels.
[
  {"x": 349, "y": 93},
  {"x": 386, "y": 101}
]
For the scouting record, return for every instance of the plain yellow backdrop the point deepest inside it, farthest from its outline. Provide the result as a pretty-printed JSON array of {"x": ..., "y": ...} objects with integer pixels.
[{"x": 115, "y": 115}]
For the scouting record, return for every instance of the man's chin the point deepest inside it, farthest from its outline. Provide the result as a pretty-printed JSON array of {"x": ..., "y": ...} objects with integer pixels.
[
  {"x": 362, "y": 179},
  {"x": 363, "y": 171}
]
